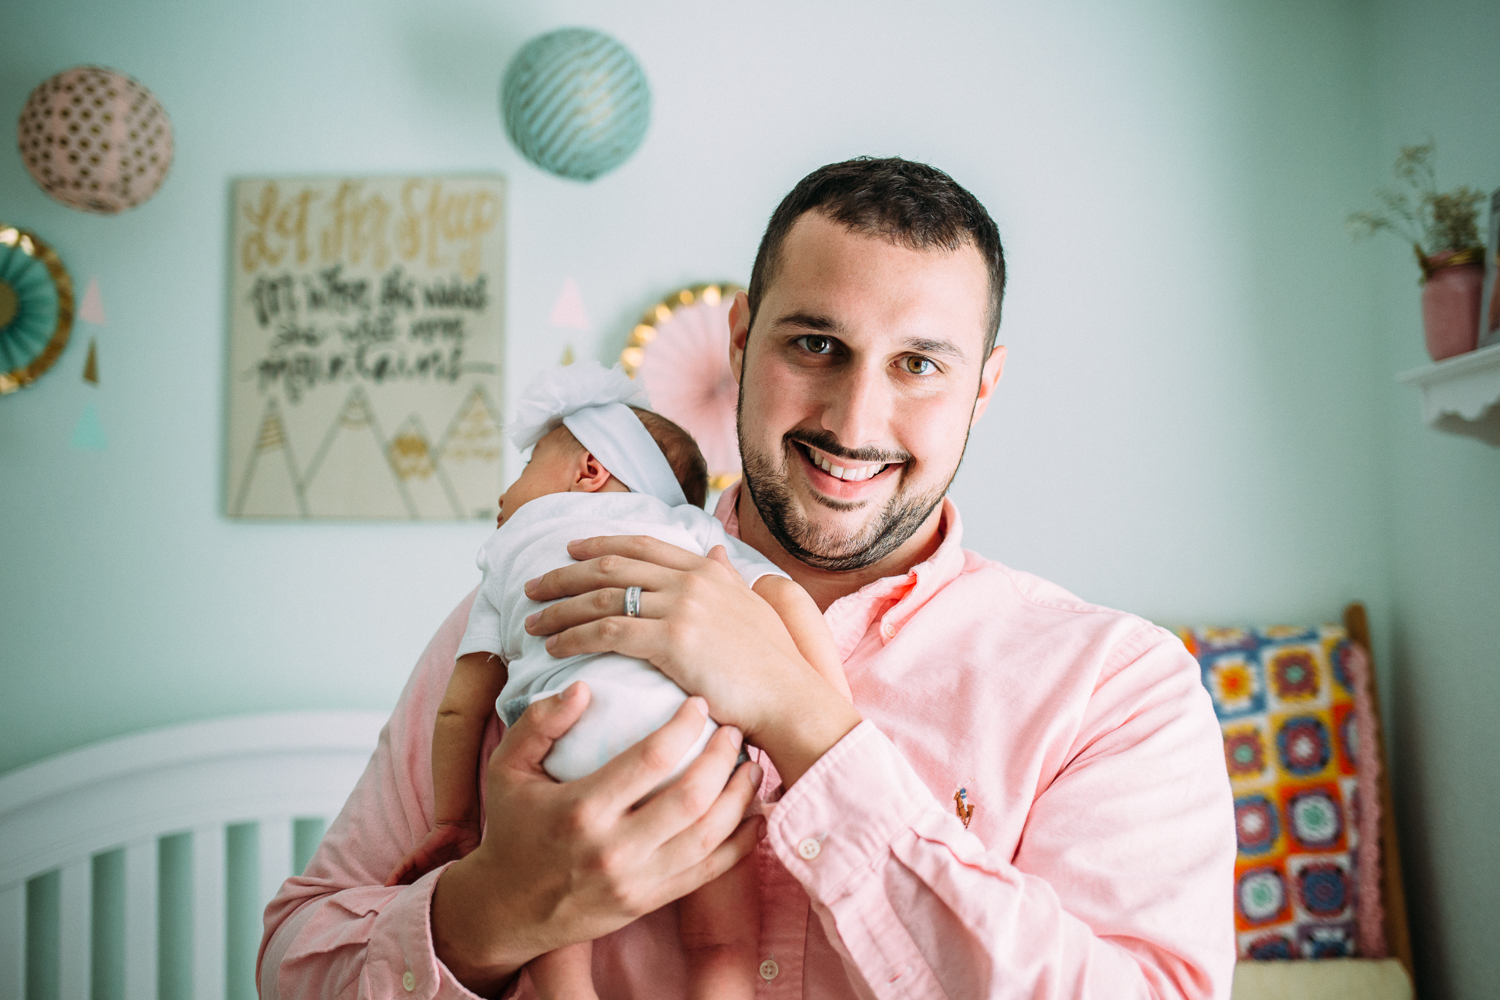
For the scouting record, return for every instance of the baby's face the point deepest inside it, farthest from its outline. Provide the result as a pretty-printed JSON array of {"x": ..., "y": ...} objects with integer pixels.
[{"x": 551, "y": 470}]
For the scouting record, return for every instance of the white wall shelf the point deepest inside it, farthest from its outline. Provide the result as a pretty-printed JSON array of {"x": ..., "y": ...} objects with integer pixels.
[{"x": 1460, "y": 394}]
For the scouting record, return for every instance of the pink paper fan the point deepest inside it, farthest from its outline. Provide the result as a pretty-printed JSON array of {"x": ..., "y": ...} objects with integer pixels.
[{"x": 681, "y": 353}]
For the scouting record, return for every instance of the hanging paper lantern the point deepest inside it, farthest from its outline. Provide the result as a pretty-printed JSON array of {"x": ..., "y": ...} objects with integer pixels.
[
  {"x": 575, "y": 103},
  {"x": 680, "y": 350},
  {"x": 36, "y": 308},
  {"x": 95, "y": 140}
]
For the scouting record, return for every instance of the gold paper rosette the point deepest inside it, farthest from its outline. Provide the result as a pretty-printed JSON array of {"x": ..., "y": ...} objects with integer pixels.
[{"x": 36, "y": 307}]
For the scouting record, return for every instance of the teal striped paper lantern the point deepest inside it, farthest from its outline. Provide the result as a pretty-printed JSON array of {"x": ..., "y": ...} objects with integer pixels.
[{"x": 575, "y": 103}]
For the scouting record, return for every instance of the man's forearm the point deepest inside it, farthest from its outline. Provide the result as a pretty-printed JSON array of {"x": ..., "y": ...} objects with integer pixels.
[
  {"x": 477, "y": 940},
  {"x": 807, "y": 731}
]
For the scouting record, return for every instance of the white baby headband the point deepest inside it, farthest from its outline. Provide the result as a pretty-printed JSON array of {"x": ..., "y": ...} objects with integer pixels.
[{"x": 592, "y": 401}]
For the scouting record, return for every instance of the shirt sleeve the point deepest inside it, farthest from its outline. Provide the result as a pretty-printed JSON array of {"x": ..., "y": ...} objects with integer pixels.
[
  {"x": 483, "y": 634},
  {"x": 1121, "y": 886},
  {"x": 485, "y": 630},
  {"x": 335, "y": 930}
]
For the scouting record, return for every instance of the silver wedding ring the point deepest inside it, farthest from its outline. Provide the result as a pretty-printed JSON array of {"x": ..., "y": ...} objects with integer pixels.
[{"x": 632, "y": 602}]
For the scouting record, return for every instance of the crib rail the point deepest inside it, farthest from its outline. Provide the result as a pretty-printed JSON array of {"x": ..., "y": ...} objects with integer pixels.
[{"x": 223, "y": 783}]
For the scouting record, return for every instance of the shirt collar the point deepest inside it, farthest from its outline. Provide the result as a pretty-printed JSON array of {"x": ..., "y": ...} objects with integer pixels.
[{"x": 891, "y": 600}]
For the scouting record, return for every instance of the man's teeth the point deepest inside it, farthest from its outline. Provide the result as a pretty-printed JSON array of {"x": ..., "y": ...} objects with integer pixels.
[{"x": 847, "y": 475}]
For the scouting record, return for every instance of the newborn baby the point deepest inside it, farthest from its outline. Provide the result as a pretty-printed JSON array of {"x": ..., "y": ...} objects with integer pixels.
[{"x": 598, "y": 467}]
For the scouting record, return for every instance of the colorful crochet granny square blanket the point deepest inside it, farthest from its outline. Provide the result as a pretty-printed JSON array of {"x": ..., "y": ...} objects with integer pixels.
[{"x": 1294, "y": 709}]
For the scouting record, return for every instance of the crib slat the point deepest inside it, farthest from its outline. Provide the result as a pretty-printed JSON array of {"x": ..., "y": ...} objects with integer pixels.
[
  {"x": 140, "y": 919},
  {"x": 13, "y": 942},
  {"x": 75, "y": 930},
  {"x": 208, "y": 912},
  {"x": 275, "y": 856}
]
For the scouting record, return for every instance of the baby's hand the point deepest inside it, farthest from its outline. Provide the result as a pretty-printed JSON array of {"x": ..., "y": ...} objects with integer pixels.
[{"x": 447, "y": 842}]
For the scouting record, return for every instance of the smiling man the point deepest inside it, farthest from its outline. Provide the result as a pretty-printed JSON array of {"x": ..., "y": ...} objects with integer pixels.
[{"x": 1026, "y": 798}]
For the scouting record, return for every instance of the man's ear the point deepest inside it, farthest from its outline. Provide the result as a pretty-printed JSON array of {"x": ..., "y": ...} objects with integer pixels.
[
  {"x": 989, "y": 377},
  {"x": 589, "y": 475},
  {"x": 739, "y": 332}
]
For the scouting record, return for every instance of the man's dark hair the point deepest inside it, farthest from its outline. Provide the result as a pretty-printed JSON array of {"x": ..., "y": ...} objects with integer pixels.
[
  {"x": 683, "y": 454},
  {"x": 908, "y": 203}
]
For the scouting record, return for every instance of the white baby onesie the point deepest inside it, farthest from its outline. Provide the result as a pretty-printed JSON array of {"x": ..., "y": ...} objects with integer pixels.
[{"x": 630, "y": 698}]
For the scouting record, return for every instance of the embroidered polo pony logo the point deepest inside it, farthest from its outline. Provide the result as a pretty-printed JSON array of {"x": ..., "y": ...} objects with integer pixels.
[{"x": 962, "y": 807}]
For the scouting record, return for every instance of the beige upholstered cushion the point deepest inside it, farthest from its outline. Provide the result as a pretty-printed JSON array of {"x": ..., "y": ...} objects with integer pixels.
[{"x": 1324, "y": 979}]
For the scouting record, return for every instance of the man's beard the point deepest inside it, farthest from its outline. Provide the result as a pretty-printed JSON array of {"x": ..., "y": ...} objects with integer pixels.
[{"x": 770, "y": 489}]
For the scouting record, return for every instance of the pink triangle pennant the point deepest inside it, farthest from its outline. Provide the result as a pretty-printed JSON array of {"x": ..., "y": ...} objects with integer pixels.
[
  {"x": 92, "y": 308},
  {"x": 568, "y": 311}
]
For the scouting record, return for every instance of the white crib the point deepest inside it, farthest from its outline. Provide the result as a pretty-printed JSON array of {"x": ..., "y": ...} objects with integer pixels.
[{"x": 236, "y": 781}]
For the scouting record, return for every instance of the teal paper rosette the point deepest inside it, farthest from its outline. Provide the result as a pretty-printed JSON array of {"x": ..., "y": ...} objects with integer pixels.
[
  {"x": 576, "y": 103},
  {"x": 36, "y": 308}
]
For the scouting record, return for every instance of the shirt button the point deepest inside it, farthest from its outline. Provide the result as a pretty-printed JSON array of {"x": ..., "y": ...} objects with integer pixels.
[
  {"x": 769, "y": 969},
  {"x": 888, "y": 630},
  {"x": 409, "y": 981},
  {"x": 809, "y": 849}
]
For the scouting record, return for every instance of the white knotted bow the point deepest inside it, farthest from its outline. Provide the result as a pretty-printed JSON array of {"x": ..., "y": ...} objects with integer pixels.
[{"x": 593, "y": 402}]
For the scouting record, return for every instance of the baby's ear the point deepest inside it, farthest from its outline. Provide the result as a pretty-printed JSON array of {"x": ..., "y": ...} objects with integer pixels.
[{"x": 589, "y": 475}]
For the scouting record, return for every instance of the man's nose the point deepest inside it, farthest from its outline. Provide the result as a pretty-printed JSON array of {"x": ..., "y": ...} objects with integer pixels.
[{"x": 857, "y": 409}]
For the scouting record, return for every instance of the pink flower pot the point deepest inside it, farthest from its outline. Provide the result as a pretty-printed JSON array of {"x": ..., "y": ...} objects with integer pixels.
[{"x": 1450, "y": 305}]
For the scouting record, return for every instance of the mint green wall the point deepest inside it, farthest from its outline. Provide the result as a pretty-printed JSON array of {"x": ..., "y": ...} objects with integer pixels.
[
  {"x": 1186, "y": 428},
  {"x": 1443, "y": 518}
]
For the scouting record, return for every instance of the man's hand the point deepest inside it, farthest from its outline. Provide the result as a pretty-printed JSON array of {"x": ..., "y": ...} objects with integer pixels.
[
  {"x": 562, "y": 863},
  {"x": 704, "y": 628}
]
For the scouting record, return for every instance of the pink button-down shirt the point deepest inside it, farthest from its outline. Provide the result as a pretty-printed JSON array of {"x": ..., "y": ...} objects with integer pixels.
[{"x": 1097, "y": 860}]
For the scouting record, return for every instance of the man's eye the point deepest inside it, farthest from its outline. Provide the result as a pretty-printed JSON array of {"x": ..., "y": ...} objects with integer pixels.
[
  {"x": 918, "y": 366},
  {"x": 815, "y": 344}
]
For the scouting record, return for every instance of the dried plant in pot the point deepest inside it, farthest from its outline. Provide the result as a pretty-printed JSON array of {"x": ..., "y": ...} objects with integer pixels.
[{"x": 1446, "y": 223}]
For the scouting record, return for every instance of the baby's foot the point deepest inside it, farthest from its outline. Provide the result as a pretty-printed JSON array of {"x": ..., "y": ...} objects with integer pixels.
[
  {"x": 447, "y": 842},
  {"x": 564, "y": 974}
]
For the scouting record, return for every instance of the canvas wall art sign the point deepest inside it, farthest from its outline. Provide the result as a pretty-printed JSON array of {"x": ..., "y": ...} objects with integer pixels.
[{"x": 366, "y": 348}]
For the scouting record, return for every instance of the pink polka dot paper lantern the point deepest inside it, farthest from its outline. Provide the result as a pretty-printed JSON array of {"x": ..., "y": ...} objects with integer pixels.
[{"x": 95, "y": 140}]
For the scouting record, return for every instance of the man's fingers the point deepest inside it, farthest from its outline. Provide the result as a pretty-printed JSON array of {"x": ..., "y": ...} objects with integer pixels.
[
  {"x": 700, "y": 791},
  {"x": 593, "y": 574},
  {"x": 742, "y": 842},
  {"x": 607, "y": 602},
  {"x": 528, "y": 742},
  {"x": 642, "y": 548},
  {"x": 638, "y": 769},
  {"x": 697, "y": 839},
  {"x": 637, "y": 637}
]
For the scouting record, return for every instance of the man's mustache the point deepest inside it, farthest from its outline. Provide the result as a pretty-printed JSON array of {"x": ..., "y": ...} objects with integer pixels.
[{"x": 825, "y": 442}]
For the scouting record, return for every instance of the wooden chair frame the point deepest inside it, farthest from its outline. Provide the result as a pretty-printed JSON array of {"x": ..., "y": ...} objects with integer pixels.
[{"x": 1393, "y": 890}]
